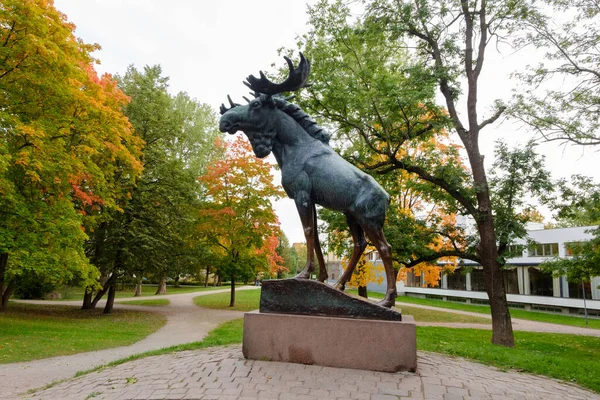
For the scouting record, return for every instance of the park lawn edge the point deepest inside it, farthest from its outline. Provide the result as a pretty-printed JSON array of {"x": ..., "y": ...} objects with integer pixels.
[
  {"x": 211, "y": 340},
  {"x": 236, "y": 326},
  {"x": 54, "y": 330}
]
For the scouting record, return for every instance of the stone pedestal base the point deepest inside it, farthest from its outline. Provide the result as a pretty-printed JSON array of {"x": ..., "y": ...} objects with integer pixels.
[{"x": 328, "y": 341}]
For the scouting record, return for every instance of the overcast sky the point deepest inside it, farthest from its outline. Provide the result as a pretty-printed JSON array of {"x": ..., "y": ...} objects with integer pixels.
[{"x": 207, "y": 48}]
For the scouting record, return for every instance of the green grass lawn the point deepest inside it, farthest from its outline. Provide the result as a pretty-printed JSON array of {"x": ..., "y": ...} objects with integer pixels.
[
  {"x": 30, "y": 332},
  {"x": 76, "y": 293},
  {"x": 149, "y": 302},
  {"x": 515, "y": 313},
  {"x": 568, "y": 357},
  {"x": 245, "y": 300}
]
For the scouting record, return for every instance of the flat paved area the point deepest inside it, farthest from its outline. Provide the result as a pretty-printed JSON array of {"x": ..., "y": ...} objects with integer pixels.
[{"x": 222, "y": 373}]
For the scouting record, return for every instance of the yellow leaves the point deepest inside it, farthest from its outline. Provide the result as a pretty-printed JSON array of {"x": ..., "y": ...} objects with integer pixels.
[
  {"x": 366, "y": 272},
  {"x": 33, "y": 176}
]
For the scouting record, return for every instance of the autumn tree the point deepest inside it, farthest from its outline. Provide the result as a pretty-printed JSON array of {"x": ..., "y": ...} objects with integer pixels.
[
  {"x": 63, "y": 143},
  {"x": 238, "y": 220},
  {"x": 391, "y": 60},
  {"x": 153, "y": 234}
]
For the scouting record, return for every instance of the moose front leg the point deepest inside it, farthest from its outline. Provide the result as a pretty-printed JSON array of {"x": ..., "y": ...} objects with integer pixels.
[
  {"x": 306, "y": 211},
  {"x": 320, "y": 259}
]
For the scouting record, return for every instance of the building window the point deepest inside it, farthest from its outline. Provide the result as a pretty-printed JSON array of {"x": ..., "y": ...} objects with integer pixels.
[
  {"x": 575, "y": 291},
  {"x": 457, "y": 280},
  {"x": 477, "y": 280},
  {"x": 540, "y": 283},
  {"x": 514, "y": 250},
  {"x": 511, "y": 281},
  {"x": 543, "y": 250},
  {"x": 412, "y": 279},
  {"x": 570, "y": 247}
]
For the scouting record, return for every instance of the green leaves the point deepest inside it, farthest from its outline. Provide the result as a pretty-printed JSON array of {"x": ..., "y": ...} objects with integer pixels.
[
  {"x": 518, "y": 176},
  {"x": 562, "y": 99},
  {"x": 63, "y": 141}
]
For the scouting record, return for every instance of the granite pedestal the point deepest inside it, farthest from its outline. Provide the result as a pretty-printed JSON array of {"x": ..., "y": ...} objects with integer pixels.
[{"x": 350, "y": 338}]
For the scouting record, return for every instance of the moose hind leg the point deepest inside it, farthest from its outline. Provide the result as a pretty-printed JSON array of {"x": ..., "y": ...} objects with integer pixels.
[
  {"x": 385, "y": 252},
  {"x": 360, "y": 244}
]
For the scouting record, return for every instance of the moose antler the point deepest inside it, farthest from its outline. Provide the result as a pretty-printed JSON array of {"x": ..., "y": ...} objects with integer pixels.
[
  {"x": 224, "y": 109},
  {"x": 296, "y": 79}
]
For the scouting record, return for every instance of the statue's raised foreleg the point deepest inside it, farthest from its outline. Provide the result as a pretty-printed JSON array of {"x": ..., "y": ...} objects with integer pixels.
[{"x": 360, "y": 244}]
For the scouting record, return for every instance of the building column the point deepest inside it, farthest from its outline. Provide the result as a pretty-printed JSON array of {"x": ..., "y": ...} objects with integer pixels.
[
  {"x": 595, "y": 283},
  {"x": 468, "y": 281},
  {"x": 444, "y": 281},
  {"x": 523, "y": 280},
  {"x": 556, "y": 286},
  {"x": 565, "y": 286}
]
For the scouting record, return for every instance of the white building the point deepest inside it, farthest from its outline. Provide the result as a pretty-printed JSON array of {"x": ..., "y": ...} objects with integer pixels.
[{"x": 526, "y": 286}]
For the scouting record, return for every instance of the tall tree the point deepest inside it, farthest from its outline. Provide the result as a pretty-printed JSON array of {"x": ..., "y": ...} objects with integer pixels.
[
  {"x": 562, "y": 101},
  {"x": 396, "y": 101},
  {"x": 238, "y": 219},
  {"x": 153, "y": 233},
  {"x": 63, "y": 141}
]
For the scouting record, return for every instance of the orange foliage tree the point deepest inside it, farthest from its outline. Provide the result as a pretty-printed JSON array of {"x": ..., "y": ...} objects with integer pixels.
[
  {"x": 63, "y": 142},
  {"x": 238, "y": 220}
]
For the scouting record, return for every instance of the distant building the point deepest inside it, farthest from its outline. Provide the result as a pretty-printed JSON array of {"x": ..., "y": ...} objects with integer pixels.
[{"x": 526, "y": 285}]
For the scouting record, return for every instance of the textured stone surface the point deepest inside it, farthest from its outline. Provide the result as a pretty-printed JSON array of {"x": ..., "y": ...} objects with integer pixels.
[
  {"x": 373, "y": 345},
  {"x": 306, "y": 297},
  {"x": 222, "y": 373}
]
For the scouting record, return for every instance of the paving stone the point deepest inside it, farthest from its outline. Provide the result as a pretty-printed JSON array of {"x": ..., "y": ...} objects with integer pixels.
[{"x": 438, "y": 377}]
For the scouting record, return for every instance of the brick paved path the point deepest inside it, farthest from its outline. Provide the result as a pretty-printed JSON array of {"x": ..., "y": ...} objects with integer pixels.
[{"x": 222, "y": 373}]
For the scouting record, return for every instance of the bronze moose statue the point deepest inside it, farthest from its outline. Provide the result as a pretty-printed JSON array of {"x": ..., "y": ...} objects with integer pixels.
[{"x": 311, "y": 171}]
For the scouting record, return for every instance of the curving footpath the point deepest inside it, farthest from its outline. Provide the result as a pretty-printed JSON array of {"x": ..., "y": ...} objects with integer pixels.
[
  {"x": 186, "y": 322},
  {"x": 223, "y": 373}
]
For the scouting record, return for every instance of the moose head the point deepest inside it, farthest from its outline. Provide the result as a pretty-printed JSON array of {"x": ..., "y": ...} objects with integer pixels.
[{"x": 254, "y": 118}]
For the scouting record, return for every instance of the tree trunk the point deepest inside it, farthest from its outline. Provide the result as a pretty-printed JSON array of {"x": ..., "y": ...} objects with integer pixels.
[
  {"x": 5, "y": 292},
  {"x": 176, "y": 282},
  {"x": 110, "y": 301},
  {"x": 3, "y": 264},
  {"x": 162, "y": 286},
  {"x": 138, "y": 288},
  {"x": 502, "y": 332},
  {"x": 232, "y": 297},
  {"x": 87, "y": 299},
  {"x": 103, "y": 291},
  {"x": 207, "y": 273},
  {"x": 362, "y": 291}
]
